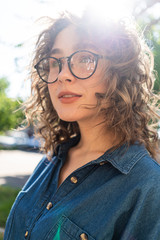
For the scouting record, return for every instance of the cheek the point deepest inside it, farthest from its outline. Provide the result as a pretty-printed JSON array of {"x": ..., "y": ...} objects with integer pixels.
[
  {"x": 96, "y": 86},
  {"x": 52, "y": 92},
  {"x": 97, "y": 81}
]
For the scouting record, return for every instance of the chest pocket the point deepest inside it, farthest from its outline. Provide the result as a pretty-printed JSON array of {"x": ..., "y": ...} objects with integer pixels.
[{"x": 65, "y": 229}]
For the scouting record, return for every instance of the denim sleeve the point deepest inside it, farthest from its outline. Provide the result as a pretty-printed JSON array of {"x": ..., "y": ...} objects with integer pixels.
[
  {"x": 36, "y": 173},
  {"x": 144, "y": 222}
]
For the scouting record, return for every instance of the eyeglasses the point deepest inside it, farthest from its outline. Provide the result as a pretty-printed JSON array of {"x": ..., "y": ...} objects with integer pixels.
[{"x": 82, "y": 64}]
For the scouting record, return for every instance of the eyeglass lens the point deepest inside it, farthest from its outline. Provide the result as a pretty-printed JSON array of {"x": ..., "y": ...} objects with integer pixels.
[{"x": 81, "y": 64}]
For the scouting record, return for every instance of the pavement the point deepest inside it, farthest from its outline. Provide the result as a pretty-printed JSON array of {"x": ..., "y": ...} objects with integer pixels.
[{"x": 16, "y": 166}]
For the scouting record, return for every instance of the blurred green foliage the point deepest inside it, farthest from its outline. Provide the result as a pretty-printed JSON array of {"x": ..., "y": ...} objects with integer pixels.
[
  {"x": 156, "y": 52},
  {"x": 7, "y": 197},
  {"x": 10, "y": 116},
  {"x": 145, "y": 15},
  {"x": 1, "y": 236}
]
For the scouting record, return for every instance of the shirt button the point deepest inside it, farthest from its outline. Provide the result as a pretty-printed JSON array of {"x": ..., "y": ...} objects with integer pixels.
[
  {"x": 83, "y": 236},
  {"x": 74, "y": 180},
  {"x": 102, "y": 163},
  {"x": 26, "y": 234},
  {"x": 49, "y": 206}
]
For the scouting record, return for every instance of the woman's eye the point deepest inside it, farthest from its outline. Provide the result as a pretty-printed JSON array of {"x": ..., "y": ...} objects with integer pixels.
[
  {"x": 54, "y": 64},
  {"x": 86, "y": 59}
]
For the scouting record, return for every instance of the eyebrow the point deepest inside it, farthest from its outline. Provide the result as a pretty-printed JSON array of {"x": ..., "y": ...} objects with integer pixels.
[
  {"x": 78, "y": 46},
  {"x": 55, "y": 50},
  {"x": 86, "y": 45}
]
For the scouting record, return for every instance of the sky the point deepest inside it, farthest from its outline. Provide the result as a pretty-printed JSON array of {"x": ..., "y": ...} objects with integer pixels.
[{"x": 19, "y": 26}]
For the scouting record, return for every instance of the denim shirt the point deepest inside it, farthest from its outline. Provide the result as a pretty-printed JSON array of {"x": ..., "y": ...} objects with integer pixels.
[{"x": 116, "y": 196}]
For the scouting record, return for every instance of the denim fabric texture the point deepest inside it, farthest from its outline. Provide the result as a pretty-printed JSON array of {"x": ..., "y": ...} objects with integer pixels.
[{"x": 116, "y": 196}]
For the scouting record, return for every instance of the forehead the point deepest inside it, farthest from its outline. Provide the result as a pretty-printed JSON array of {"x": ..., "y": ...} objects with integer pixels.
[{"x": 71, "y": 38}]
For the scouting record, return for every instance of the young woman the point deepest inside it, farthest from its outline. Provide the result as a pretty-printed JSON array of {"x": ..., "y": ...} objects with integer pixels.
[{"x": 91, "y": 104}]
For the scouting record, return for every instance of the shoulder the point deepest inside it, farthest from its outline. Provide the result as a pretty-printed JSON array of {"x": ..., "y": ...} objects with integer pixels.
[
  {"x": 133, "y": 159},
  {"x": 145, "y": 177},
  {"x": 147, "y": 172},
  {"x": 142, "y": 166},
  {"x": 136, "y": 166},
  {"x": 148, "y": 169},
  {"x": 43, "y": 169}
]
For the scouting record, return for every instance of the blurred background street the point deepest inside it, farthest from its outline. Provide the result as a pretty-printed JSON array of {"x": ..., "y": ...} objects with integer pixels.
[{"x": 17, "y": 166}]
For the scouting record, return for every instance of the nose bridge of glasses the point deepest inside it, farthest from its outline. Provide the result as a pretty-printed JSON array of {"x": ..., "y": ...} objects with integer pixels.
[
  {"x": 62, "y": 62},
  {"x": 62, "y": 59}
]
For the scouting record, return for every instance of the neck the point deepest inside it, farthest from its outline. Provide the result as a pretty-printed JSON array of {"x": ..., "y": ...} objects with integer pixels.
[{"x": 95, "y": 137}]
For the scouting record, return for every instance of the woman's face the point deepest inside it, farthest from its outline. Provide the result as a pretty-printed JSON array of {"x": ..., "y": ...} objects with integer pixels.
[{"x": 69, "y": 95}]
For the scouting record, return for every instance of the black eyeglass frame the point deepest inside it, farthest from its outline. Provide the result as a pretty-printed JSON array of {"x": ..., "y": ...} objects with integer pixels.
[{"x": 97, "y": 57}]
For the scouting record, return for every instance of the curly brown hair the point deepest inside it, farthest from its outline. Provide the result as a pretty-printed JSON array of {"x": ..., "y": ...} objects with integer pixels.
[{"x": 129, "y": 73}]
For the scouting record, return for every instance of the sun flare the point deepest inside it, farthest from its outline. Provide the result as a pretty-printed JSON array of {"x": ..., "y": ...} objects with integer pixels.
[{"x": 110, "y": 9}]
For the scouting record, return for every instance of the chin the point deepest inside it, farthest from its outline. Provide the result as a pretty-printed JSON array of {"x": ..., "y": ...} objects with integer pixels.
[{"x": 67, "y": 118}]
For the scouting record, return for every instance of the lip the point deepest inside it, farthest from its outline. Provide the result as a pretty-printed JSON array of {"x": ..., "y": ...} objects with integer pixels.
[
  {"x": 70, "y": 99},
  {"x": 61, "y": 94}
]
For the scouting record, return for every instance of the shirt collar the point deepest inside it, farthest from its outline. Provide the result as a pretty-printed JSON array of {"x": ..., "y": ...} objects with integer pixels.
[{"x": 123, "y": 158}]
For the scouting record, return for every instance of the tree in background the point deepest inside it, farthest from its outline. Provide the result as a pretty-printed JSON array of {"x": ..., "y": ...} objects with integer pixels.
[
  {"x": 10, "y": 116},
  {"x": 146, "y": 15}
]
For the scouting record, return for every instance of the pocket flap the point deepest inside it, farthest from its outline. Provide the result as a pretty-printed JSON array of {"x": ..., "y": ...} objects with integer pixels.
[{"x": 65, "y": 229}]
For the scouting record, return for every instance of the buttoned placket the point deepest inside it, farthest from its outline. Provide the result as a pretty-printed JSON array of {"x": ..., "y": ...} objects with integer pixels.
[
  {"x": 70, "y": 183},
  {"x": 41, "y": 207}
]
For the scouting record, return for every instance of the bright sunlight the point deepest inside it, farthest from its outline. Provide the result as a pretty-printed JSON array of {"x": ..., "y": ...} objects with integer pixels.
[{"x": 113, "y": 9}]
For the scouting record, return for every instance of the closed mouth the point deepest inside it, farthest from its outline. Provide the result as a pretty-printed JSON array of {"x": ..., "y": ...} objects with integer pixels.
[{"x": 68, "y": 95}]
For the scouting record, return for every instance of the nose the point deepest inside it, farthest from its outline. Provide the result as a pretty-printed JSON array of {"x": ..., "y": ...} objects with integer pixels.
[{"x": 65, "y": 73}]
